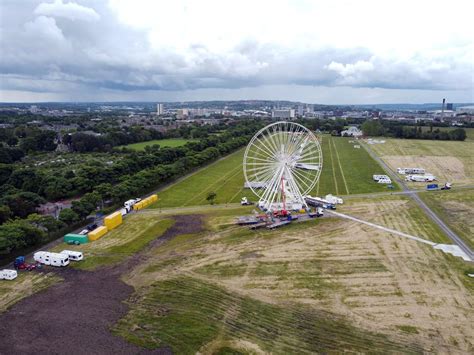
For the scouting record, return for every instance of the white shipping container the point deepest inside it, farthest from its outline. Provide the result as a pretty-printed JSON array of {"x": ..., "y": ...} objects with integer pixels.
[
  {"x": 53, "y": 259},
  {"x": 7, "y": 274}
]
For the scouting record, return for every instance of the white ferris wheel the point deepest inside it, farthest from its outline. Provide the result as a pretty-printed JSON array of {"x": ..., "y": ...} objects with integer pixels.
[{"x": 282, "y": 164}]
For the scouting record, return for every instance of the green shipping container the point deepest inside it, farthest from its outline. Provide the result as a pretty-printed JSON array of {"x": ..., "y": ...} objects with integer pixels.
[{"x": 75, "y": 238}]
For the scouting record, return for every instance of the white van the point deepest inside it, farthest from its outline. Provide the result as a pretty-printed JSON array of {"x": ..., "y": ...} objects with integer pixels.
[
  {"x": 53, "y": 259},
  {"x": 73, "y": 255},
  {"x": 6, "y": 274},
  {"x": 385, "y": 180}
]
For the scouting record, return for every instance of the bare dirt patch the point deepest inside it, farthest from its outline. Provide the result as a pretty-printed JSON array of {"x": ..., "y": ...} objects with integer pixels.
[{"x": 75, "y": 316}]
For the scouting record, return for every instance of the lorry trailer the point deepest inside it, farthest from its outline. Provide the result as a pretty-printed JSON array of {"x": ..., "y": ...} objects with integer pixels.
[{"x": 7, "y": 274}]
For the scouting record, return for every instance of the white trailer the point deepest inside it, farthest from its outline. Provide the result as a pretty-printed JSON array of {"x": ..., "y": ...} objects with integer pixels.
[
  {"x": 420, "y": 178},
  {"x": 401, "y": 171},
  {"x": 53, "y": 259},
  {"x": 385, "y": 180},
  {"x": 378, "y": 177},
  {"x": 334, "y": 199},
  {"x": 73, "y": 255},
  {"x": 7, "y": 274}
]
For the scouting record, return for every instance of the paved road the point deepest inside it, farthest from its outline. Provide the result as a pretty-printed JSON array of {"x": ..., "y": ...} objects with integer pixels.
[{"x": 429, "y": 212}]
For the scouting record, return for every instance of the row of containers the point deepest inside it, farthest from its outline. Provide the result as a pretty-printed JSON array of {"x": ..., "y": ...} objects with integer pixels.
[
  {"x": 145, "y": 202},
  {"x": 111, "y": 221}
]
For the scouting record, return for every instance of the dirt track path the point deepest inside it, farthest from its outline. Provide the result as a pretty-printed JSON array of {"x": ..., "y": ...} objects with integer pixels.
[{"x": 75, "y": 316}]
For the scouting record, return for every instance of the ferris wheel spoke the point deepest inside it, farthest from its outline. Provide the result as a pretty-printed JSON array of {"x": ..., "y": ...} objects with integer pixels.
[
  {"x": 303, "y": 178},
  {"x": 264, "y": 148}
]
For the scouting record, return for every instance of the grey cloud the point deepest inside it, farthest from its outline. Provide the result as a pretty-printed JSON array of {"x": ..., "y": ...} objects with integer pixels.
[{"x": 71, "y": 46}]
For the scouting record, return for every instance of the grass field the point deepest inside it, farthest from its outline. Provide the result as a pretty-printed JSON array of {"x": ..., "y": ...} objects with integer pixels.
[
  {"x": 456, "y": 208},
  {"x": 289, "y": 290},
  {"x": 447, "y": 160},
  {"x": 346, "y": 170},
  {"x": 129, "y": 238},
  {"x": 174, "y": 142}
]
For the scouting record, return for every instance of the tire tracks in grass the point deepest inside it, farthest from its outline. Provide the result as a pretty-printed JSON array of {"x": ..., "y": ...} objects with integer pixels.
[
  {"x": 332, "y": 165},
  {"x": 340, "y": 167},
  {"x": 232, "y": 173}
]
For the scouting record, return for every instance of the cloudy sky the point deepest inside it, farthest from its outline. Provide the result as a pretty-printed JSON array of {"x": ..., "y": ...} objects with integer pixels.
[{"x": 332, "y": 51}]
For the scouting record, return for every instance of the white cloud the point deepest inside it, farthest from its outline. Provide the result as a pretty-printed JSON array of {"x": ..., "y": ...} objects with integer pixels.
[
  {"x": 70, "y": 10},
  {"x": 187, "y": 45}
]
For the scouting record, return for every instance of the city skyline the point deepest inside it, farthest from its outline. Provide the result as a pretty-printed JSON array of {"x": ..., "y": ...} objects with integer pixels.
[{"x": 334, "y": 52}]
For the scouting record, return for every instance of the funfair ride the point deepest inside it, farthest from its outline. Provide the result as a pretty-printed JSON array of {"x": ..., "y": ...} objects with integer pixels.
[{"x": 282, "y": 164}]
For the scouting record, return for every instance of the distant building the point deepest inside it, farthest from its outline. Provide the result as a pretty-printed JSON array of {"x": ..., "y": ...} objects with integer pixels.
[
  {"x": 34, "y": 109},
  {"x": 160, "y": 109},
  {"x": 182, "y": 113},
  {"x": 352, "y": 131},
  {"x": 300, "y": 110},
  {"x": 284, "y": 114}
]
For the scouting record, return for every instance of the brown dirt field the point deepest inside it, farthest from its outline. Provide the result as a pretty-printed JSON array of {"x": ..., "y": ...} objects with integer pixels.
[
  {"x": 445, "y": 168},
  {"x": 74, "y": 316},
  {"x": 379, "y": 281}
]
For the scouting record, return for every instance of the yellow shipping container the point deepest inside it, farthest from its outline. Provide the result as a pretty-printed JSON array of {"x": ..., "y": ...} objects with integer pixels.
[
  {"x": 138, "y": 206},
  {"x": 154, "y": 198},
  {"x": 113, "y": 220},
  {"x": 97, "y": 233}
]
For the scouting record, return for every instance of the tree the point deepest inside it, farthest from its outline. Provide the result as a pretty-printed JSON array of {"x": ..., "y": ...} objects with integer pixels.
[
  {"x": 211, "y": 196},
  {"x": 5, "y": 214},
  {"x": 372, "y": 128},
  {"x": 68, "y": 216},
  {"x": 457, "y": 134}
]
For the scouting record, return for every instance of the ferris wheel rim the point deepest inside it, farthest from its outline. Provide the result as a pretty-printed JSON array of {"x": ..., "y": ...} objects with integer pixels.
[{"x": 267, "y": 132}]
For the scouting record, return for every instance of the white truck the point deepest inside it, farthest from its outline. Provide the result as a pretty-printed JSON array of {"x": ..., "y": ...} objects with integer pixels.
[
  {"x": 7, "y": 274},
  {"x": 378, "y": 177},
  {"x": 73, "y": 255},
  {"x": 385, "y": 180},
  {"x": 334, "y": 199},
  {"x": 53, "y": 259},
  {"x": 420, "y": 178},
  {"x": 128, "y": 205}
]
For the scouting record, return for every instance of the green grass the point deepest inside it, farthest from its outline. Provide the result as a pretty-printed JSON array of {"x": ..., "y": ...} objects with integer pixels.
[
  {"x": 173, "y": 142},
  {"x": 408, "y": 329},
  {"x": 117, "y": 252},
  {"x": 186, "y": 314},
  {"x": 226, "y": 178},
  {"x": 347, "y": 170},
  {"x": 456, "y": 209}
]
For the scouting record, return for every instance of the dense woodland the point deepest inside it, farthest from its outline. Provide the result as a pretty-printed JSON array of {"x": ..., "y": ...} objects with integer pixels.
[{"x": 24, "y": 188}]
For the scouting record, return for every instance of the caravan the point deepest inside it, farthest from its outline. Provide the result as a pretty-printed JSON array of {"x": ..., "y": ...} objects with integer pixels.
[
  {"x": 6, "y": 274},
  {"x": 73, "y": 255},
  {"x": 53, "y": 259}
]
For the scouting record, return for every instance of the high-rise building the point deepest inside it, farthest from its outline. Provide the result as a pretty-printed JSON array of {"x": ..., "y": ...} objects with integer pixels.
[
  {"x": 160, "y": 109},
  {"x": 300, "y": 110},
  {"x": 288, "y": 113},
  {"x": 182, "y": 113}
]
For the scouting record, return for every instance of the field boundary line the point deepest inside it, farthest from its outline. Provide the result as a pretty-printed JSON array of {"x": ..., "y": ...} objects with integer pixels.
[
  {"x": 333, "y": 170},
  {"x": 340, "y": 167},
  {"x": 183, "y": 178},
  {"x": 212, "y": 185}
]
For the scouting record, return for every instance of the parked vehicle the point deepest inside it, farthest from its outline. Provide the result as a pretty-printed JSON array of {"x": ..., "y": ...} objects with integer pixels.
[
  {"x": 431, "y": 187},
  {"x": 7, "y": 274},
  {"x": 53, "y": 259},
  {"x": 447, "y": 186},
  {"x": 245, "y": 202},
  {"x": 385, "y": 180},
  {"x": 334, "y": 199},
  {"x": 84, "y": 232},
  {"x": 91, "y": 227},
  {"x": 73, "y": 255}
]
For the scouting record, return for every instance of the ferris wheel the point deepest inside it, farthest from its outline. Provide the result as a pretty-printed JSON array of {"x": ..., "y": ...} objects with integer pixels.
[{"x": 282, "y": 164}]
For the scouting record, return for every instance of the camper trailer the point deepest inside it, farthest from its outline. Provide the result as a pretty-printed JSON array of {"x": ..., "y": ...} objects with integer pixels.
[
  {"x": 6, "y": 274},
  {"x": 53, "y": 259},
  {"x": 73, "y": 255}
]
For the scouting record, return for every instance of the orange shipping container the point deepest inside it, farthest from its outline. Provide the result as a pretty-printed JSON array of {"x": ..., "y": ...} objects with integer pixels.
[
  {"x": 113, "y": 220},
  {"x": 97, "y": 233}
]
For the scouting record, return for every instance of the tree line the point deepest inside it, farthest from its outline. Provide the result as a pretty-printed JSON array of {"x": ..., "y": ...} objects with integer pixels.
[
  {"x": 392, "y": 129},
  {"x": 138, "y": 173}
]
